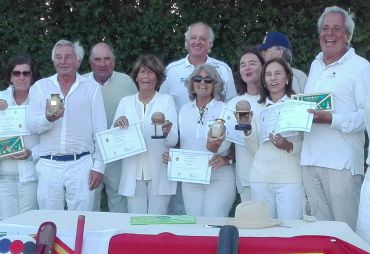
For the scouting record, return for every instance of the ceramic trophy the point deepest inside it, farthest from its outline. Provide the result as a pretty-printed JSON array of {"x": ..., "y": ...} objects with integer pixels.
[
  {"x": 242, "y": 115},
  {"x": 158, "y": 119}
]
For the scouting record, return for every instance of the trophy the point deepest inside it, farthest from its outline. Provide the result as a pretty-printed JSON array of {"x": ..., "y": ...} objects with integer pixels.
[
  {"x": 242, "y": 114},
  {"x": 55, "y": 104},
  {"x": 158, "y": 119},
  {"x": 218, "y": 128}
]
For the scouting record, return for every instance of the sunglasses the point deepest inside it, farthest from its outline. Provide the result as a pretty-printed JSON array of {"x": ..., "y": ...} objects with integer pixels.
[
  {"x": 206, "y": 79},
  {"x": 24, "y": 73}
]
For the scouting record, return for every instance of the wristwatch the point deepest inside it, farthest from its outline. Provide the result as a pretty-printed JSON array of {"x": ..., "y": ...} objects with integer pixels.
[{"x": 229, "y": 160}]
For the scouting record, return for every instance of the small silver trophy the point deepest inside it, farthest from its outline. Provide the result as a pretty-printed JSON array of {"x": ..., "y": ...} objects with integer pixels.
[
  {"x": 242, "y": 114},
  {"x": 158, "y": 119},
  {"x": 218, "y": 128},
  {"x": 55, "y": 104}
]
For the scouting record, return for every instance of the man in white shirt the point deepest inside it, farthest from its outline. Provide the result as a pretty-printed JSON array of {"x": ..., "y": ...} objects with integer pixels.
[
  {"x": 333, "y": 152},
  {"x": 277, "y": 45},
  {"x": 70, "y": 165},
  {"x": 198, "y": 42},
  {"x": 115, "y": 86}
]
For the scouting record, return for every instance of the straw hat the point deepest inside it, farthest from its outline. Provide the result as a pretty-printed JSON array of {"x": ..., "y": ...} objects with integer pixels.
[{"x": 252, "y": 214}]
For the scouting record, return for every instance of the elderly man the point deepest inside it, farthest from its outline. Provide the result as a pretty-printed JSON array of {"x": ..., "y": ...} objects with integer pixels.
[
  {"x": 333, "y": 152},
  {"x": 70, "y": 165},
  {"x": 115, "y": 85},
  {"x": 198, "y": 42},
  {"x": 277, "y": 45}
]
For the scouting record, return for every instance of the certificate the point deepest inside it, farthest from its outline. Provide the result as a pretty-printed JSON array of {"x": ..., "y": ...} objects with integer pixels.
[
  {"x": 9, "y": 146},
  {"x": 324, "y": 101},
  {"x": 232, "y": 135},
  {"x": 189, "y": 166},
  {"x": 13, "y": 122},
  {"x": 117, "y": 143},
  {"x": 286, "y": 118}
]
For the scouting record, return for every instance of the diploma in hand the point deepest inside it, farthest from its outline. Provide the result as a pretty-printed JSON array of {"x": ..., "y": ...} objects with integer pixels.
[
  {"x": 9, "y": 146},
  {"x": 324, "y": 101},
  {"x": 189, "y": 166},
  {"x": 13, "y": 122},
  {"x": 120, "y": 143}
]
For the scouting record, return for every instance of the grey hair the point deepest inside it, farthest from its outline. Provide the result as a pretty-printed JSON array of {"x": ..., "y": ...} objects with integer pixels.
[
  {"x": 287, "y": 54},
  {"x": 218, "y": 85},
  {"x": 348, "y": 20},
  {"x": 211, "y": 34},
  {"x": 79, "y": 51}
]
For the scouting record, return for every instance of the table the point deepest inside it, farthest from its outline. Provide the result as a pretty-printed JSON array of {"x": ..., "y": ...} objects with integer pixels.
[{"x": 100, "y": 228}]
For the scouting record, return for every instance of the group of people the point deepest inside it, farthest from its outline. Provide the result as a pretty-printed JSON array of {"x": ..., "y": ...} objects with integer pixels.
[{"x": 61, "y": 166}]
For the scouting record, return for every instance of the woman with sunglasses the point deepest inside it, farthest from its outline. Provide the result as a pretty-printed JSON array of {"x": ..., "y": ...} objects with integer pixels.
[
  {"x": 18, "y": 180},
  {"x": 205, "y": 88},
  {"x": 276, "y": 174},
  {"x": 248, "y": 84},
  {"x": 144, "y": 179}
]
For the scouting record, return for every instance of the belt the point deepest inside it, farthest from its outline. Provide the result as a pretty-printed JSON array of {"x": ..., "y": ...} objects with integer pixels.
[{"x": 67, "y": 157}]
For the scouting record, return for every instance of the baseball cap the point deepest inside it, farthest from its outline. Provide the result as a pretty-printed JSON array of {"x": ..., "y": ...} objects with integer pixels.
[{"x": 275, "y": 39}]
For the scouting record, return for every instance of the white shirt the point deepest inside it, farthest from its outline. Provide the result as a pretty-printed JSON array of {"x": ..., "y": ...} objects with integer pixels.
[
  {"x": 24, "y": 169},
  {"x": 193, "y": 135},
  {"x": 339, "y": 145},
  {"x": 74, "y": 133},
  {"x": 243, "y": 158},
  {"x": 148, "y": 165},
  {"x": 177, "y": 73}
]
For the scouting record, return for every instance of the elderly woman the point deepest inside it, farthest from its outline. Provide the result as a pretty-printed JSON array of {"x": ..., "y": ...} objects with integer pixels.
[
  {"x": 248, "y": 84},
  {"x": 144, "y": 179},
  {"x": 205, "y": 92},
  {"x": 276, "y": 174},
  {"x": 18, "y": 180}
]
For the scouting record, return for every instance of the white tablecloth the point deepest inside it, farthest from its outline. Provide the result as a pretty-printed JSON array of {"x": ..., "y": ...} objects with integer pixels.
[{"x": 100, "y": 227}]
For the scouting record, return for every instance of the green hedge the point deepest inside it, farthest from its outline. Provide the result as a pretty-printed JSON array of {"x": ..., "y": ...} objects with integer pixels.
[{"x": 134, "y": 27}]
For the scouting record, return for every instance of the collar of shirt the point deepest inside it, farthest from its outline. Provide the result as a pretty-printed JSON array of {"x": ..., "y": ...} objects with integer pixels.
[
  {"x": 91, "y": 76},
  {"x": 55, "y": 81},
  {"x": 344, "y": 58},
  {"x": 187, "y": 63},
  {"x": 270, "y": 102}
]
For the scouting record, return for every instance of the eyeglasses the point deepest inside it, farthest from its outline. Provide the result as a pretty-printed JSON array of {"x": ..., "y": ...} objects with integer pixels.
[
  {"x": 202, "y": 112},
  {"x": 24, "y": 73},
  {"x": 206, "y": 79}
]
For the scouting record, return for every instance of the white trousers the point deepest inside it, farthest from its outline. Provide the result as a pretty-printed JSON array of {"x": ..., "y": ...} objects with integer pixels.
[
  {"x": 337, "y": 193},
  {"x": 213, "y": 199},
  {"x": 144, "y": 202},
  {"x": 284, "y": 200},
  {"x": 65, "y": 182},
  {"x": 16, "y": 197},
  {"x": 363, "y": 220},
  {"x": 116, "y": 202}
]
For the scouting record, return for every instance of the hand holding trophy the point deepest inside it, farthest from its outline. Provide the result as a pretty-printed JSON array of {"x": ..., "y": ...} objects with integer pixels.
[
  {"x": 243, "y": 115},
  {"x": 158, "y": 120},
  {"x": 54, "y": 107}
]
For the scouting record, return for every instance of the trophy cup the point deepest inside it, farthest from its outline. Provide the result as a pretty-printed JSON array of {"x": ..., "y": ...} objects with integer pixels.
[
  {"x": 218, "y": 128},
  {"x": 242, "y": 114},
  {"x": 158, "y": 119},
  {"x": 55, "y": 104}
]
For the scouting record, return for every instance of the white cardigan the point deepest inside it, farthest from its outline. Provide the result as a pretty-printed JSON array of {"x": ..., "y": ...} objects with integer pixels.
[{"x": 133, "y": 109}]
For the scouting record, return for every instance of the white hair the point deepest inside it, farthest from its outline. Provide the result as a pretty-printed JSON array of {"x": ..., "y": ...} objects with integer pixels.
[
  {"x": 348, "y": 20},
  {"x": 79, "y": 51}
]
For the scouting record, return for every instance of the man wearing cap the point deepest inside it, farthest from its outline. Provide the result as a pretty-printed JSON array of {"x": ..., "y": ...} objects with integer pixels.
[
  {"x": 70, "y": 165},
  {"x": 333, "y": 152},
  {"x": 198, "y": 42},
  {"x": 277, "y": 45},
  {"x": 115, "y": 86}
]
